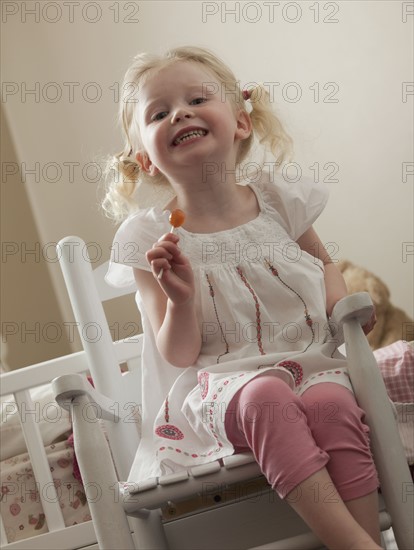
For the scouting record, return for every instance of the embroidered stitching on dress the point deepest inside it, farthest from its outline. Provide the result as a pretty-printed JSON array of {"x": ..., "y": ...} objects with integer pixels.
[
  {"x": 172, "y": 432},
  {"x": 168, "y": 431},
  {"x": 218, "y": 320},
  {"x": 258, "y": 315},
  {"x": 167, "y": 410},
  {"x": 308, "y": 318}
]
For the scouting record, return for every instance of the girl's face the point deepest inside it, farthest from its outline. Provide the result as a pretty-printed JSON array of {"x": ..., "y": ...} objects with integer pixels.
[{"x": 180, "y": 98}]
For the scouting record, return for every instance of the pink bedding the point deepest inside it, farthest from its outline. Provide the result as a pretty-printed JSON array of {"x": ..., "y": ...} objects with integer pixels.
[{"x": 21, "y": 508}]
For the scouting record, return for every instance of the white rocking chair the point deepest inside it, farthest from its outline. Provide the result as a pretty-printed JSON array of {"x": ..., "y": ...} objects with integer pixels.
[{"x": 224, "y": 504}]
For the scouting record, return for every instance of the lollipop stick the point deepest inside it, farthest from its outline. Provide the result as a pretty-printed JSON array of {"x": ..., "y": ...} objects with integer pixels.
[
  {"x": 159, "y": 276},
  {"x": 176, "y": 219}
]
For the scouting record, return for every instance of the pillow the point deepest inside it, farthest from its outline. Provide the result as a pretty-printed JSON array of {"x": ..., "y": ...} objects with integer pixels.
[{"x": 396, "y": 363}]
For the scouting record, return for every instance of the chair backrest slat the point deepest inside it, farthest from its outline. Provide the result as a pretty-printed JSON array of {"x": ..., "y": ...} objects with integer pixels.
[
  {"x": 29, "y": 421},
  {"x": 86, "y": 288}
]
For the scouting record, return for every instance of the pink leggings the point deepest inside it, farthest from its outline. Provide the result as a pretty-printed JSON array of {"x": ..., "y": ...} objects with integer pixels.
[{"x": 293, "y": 437}]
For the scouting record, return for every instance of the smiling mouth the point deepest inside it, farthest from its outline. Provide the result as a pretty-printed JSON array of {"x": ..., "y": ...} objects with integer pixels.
[{"x": 190, "y": 136}]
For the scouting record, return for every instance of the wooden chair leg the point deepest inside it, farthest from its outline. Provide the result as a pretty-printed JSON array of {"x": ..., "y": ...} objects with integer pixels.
[{"x": 110, "y": 521}]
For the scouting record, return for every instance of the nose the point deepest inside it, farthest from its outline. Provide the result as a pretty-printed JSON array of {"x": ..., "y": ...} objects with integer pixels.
[{"x": 181, "y": 113}]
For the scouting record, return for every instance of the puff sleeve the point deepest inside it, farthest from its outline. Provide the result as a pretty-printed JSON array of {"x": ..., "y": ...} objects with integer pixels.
[
  {"x": 296, "y": 205},
  {"x": 133, "y": 239}
]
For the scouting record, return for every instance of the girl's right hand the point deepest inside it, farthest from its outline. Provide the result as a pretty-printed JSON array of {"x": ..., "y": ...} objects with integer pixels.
[{"x": 177, "y": 279}]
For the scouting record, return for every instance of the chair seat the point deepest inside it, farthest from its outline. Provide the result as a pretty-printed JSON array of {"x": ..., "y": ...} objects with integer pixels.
[
  {"x": 154, "y": 492},
  {"x": 235, "y": 480}
]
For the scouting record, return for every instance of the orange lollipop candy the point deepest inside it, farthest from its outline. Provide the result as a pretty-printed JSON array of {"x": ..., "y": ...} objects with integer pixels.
[{"x": 176, "y": 219}]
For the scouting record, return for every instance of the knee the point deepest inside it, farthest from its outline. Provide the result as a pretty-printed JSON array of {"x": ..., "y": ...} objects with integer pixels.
[
  {"x": 265, "y": 388},
  {"x": 268, "y": 396},
  {"x": 331, "y": 404}
]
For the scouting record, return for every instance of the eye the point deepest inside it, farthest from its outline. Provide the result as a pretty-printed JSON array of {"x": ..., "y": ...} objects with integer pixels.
[
  {"x": 158, "y": 116},
  {"x": 199, "y": 100}
]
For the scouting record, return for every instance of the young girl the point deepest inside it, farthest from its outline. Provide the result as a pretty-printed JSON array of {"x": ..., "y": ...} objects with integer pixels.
[{"x": 238, "y": 352}]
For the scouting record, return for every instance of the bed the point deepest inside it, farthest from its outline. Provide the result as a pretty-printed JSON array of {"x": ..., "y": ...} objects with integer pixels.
[{"x": 43, "y": 501}]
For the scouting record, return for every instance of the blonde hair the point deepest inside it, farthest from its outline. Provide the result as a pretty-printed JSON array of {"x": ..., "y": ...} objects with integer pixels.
[{"x": 126, "y": 174}]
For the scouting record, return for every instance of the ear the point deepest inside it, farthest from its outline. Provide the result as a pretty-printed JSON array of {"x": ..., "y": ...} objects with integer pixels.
[
  {"x": 145, "y": 163},
  {"x": 244, "y": 125}
]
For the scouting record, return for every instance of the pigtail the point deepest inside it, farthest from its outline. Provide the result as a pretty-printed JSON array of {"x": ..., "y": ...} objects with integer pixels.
[
  {"x": 129, "y": 187},
  {"x": 267, "y": 125},
  {"x": 123, "y": 173}
]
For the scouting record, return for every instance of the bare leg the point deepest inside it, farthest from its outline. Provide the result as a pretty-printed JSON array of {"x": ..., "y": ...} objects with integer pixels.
[
  {"x": 318, "y": 503},
  {"x": 365, "y": 511}
]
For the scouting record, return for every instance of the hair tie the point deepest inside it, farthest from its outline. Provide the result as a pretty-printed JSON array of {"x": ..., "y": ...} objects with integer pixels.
[{"x": 246, "y": 94}]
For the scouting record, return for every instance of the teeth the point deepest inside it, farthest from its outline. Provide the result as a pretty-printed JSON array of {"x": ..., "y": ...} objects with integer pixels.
[{"x": 189, "y": 135}]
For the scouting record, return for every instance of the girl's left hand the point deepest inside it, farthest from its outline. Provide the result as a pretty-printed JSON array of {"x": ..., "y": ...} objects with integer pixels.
[{"x": 371, "y": 323}]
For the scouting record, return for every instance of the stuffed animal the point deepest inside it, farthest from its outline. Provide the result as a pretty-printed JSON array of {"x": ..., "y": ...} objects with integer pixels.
[{"x": 392, "y": 323}]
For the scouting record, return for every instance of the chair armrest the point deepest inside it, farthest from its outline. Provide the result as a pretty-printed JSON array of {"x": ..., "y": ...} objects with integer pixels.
[
  {"x": 69, "y": 386},
  {"x": 357, "y": 306},
  {"x": 370, "y": 391}
]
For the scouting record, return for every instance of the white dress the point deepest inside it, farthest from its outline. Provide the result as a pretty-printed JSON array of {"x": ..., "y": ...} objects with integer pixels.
[{"x": 261, "y": 307}]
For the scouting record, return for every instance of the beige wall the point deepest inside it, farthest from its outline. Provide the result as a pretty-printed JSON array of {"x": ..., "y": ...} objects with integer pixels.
[
  {"x": 31, "y": 319},
  {"x": 350, "y": 114}
]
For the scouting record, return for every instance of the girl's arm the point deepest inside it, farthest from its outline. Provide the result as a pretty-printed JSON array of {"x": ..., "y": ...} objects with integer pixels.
[
  {"x": 334, "y": 282},
  {"x": 169, "y": 302}
]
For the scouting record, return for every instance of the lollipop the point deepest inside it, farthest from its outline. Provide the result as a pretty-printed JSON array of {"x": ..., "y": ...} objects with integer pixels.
[{"x": 176, "y": 219}]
